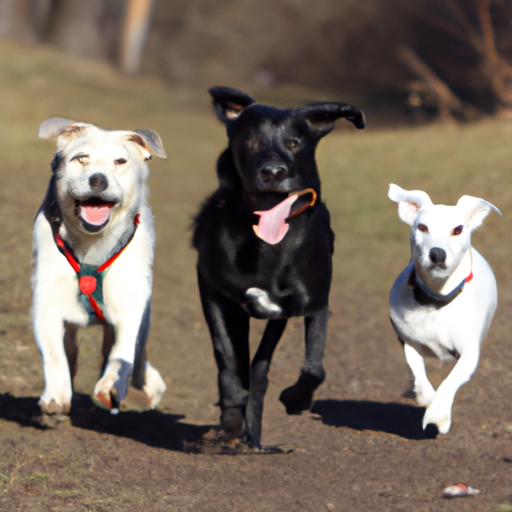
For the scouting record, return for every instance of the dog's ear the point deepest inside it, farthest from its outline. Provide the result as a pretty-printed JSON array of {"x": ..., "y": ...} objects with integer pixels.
[
  {"x": 229, "y": 102},
  {"x": 476, "y": 210},
  {"x": 321, "y": 116},
  {"x": 409, "y": 202},
  {"x": 55, "y": 126},
  {"x": 150, "y": 143}
]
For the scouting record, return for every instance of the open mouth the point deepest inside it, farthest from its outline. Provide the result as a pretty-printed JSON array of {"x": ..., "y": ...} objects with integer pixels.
[
  {"x": 273, "y": 225},
  {"x": 95, "y": 212}
]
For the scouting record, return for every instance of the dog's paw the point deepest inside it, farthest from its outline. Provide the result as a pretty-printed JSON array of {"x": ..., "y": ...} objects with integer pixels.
[
  {"x": 56, "y": 399},
  {"x": 111, "y": 389},
  {"x": 155, "y": 386},
  {"x": 299, "y": 397},
  {"x": 52, "y": 407},
  {"x": 424, "y": 395},
  {"x": 232, "y": 421},
  {"x": 438, "y": 416},
  {"x": 261, "y": 304}
]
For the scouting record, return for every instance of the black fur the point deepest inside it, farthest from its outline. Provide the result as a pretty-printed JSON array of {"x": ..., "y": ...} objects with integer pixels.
[{"x": 271, "y": 153}]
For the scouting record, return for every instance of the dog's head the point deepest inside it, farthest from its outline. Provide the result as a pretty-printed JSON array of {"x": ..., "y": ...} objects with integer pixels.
[
  {"x": 274, "y": 149},
  {"x": 440, "y": 235},
  {"x": 100, "y": 174}
]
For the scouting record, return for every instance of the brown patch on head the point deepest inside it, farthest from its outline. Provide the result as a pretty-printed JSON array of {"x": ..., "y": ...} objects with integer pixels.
[
  {"x": 253, "y": 143},
  {"x": 74, "y": 128}
]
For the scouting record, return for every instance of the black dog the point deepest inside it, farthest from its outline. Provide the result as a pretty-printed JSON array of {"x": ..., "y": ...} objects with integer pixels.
[{"x": 253, "y": 263}]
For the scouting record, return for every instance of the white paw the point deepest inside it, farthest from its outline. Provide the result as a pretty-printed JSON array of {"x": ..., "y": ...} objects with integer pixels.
[
  {"x": 113, "y": 384},
  {"x": 56, "y": 397},
  {"x": 439, "y": 416},
  {"x": 262, "y": 299},
  {"x": 155, "y": 386},
  {"x": 424, "y": 395},
  {"x": 55, "y": 403}
]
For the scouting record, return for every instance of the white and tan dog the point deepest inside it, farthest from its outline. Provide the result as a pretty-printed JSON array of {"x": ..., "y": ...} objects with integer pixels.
[
  {"x": 93, "y": 246},
  {"x": 443, "y": 303}
]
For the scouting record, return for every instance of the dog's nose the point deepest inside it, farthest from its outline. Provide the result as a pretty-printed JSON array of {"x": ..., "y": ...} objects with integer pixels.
[
  {"x": 273, "y": 172},
  {"x": 437, "y": 255},
  {"x": 98, "y": 182}
]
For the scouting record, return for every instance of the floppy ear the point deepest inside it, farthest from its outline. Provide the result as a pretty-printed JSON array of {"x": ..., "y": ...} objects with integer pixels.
[
  {"x": 476, "y": 210},
  {"x": 409, "y": 202},
  {"x": 321, "y": 116},
  {"x": 229, "y": 102},
  {"x": 150, "y": 142},
  {"x": 55, "y": 126}
]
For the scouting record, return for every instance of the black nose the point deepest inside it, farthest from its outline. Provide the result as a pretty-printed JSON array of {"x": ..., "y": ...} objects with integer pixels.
[
  {"x": 98, "y": 182},
  {"x": 437, "y": 255},
  {"x": 271, "y": 173}
]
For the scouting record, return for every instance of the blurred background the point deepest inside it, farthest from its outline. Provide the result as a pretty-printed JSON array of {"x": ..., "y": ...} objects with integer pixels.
[{"x": 402, "y": 61}]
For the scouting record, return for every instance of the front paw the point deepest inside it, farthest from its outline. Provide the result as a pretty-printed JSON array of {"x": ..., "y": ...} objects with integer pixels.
[
  {"x": 424, "y": 396},
  {"x": 54, "y": 406},
  {"x": 113, "y": 385},
  {"x": 439, "y": 415},
  {"x": 299, "y": 397},
  {"x": 155, "y": 386},
  {"x": 232, "y": 421},
  {"x": 56, "y": 398}
]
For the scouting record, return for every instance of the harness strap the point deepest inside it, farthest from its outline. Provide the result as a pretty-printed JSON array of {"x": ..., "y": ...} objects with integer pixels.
[{"x": 90, "y": 278}]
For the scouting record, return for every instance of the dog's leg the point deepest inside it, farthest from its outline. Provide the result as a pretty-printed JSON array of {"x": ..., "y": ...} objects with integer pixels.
[
  {"x": 109, "y": 338},
  {"x": 298, "y": 398},
  {"x": 439, "y": 412},
  {"x": 422, "y": 387},
  {"x": 229, "y": 329},
  {"x": 71, "y": 348},
  {"x": 117, "y": 368},
  {"x": 113, "y": 384},
  {"x": 259, "y": 381},
  {"x": 145, "y": 377},
  {"x": 56, "y": 397}
]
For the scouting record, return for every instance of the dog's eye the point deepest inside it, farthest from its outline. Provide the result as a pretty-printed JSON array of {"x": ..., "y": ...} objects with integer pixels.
[
  {"x": 120, "y": 161},
  {"x": 81, "y": 159},
  {"x": 292, "y": 142},
  {"x": 423, "y": 228},
  {"x": 457, "y": 231}
]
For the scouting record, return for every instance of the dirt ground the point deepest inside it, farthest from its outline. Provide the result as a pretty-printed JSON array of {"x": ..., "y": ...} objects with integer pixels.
[{"x": 361, "y": 447}]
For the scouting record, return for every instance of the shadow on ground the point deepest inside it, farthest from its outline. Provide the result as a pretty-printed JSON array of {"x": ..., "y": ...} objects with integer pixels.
[
  {"x": 154, "y": 428},
  {"x": 398, "y": 419}
]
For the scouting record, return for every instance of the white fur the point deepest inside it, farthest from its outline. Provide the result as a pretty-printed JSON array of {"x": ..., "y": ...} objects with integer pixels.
[
  {"x": 461, "y": 325},
  {"x": 127, "y": 285},
  {"x": 263, "y": 299}
]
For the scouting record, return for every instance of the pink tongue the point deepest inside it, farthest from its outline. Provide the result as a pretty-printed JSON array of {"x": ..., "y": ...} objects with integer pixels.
[
  {"x": 272, "y": 226},
  {"x": 95, "y": 215}
]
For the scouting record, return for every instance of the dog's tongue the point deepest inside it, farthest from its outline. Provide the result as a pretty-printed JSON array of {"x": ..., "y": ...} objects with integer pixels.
[
  {"x": 272, "y": 226},
  {"x": 96, "y": 214}
]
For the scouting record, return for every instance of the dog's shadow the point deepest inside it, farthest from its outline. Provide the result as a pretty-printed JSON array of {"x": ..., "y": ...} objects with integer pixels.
[
  {"x": 398, "y": 419},
  {"x": 154, "y": 428}
]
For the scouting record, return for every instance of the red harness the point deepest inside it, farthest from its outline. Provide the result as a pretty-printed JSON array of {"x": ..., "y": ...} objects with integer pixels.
[{"x": 90, "y": 278}]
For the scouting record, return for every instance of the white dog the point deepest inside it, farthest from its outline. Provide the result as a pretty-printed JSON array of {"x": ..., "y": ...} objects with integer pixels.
[
  {"x": 443, "y": 303},
  {"x": 93, "y": 247}
]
